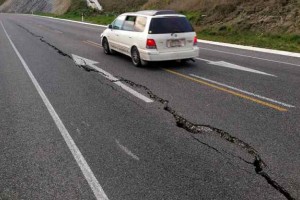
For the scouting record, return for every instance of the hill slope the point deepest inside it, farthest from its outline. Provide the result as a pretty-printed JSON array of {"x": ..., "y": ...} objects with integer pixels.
[
  {"x": 27, "y": 6},
  {"x": 280, "y": 16},
  {"x": 262, "y": 23}
]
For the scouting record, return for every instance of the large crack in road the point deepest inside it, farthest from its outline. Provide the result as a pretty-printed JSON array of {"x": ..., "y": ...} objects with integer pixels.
[
  {"x": 60, "y": 52},
  {"x": 181, "y": 122}
]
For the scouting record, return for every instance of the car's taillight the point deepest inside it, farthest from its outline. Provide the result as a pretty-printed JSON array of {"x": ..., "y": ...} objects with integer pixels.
[
  {"x": 151, "y": 44},
  {"x": 195, "y": 41}
]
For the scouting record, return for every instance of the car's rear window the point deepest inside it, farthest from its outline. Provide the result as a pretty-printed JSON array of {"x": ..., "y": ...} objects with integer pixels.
[{"x": 170, "y": 25}]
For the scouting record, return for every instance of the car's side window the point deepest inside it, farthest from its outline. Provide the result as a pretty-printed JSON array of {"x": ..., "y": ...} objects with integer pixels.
[
  {"x": 129, "y": 23},
  {"x": 140, "y": 24},
  {"x": 117, "y": 24}
]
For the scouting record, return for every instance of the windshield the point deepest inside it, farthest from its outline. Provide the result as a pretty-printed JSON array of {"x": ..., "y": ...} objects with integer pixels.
[{"x": 170, "y": 25}]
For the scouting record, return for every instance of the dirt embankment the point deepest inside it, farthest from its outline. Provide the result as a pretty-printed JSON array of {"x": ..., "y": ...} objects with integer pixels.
[
  {"x": 273, "y": 16},
  {"x": 280, "y": 16},
  {"x": 28, "y": 6}
]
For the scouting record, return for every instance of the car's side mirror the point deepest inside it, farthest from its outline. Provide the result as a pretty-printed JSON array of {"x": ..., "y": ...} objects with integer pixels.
[{"x": 110, "y": 26}]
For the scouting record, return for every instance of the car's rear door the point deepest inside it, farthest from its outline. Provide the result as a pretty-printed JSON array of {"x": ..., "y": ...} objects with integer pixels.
[{"x": 132, "y": 34}]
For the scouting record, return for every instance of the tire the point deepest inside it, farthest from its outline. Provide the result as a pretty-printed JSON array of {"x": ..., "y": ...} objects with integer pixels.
[
  {"x": 106, "y": 48},
  {"x": 184, "y": 61},
  {"x": 136, "y": 59}
]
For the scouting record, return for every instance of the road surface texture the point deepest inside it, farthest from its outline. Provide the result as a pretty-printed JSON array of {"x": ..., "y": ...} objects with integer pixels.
[{"x": 223, "y": 127}]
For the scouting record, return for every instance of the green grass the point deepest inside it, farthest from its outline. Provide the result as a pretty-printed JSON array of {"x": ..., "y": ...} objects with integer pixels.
[
  {"x": 272, "y": 41},
  {"x": 193, "y": 16}
]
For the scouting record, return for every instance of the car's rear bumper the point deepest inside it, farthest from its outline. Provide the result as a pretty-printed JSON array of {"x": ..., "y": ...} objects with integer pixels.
[{"x": 151, "y": 55}]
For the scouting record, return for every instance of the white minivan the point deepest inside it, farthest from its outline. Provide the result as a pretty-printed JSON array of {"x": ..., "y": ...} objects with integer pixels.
[{"x": 151, "y": 35}]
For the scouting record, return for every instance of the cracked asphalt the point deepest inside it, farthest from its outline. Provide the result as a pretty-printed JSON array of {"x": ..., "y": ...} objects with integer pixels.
[{"x": 193, "y": 142}]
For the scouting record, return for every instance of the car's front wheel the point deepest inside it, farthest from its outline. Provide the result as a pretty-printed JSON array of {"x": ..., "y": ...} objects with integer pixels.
[
  {"x": 136, "y": 59},
  {"x": 106, "y": 48}
]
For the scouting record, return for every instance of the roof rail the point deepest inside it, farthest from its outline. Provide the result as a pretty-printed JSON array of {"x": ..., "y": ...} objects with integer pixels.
[{"x": 157, "y": 12}]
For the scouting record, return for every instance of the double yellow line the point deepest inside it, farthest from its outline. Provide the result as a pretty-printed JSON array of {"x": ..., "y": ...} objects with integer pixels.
[
  {"x": 270, "y": 105},
  {"x": 49, "y": 29},
  {"x": 255, "y": 100},
  {"x": 92, "y": 43}
]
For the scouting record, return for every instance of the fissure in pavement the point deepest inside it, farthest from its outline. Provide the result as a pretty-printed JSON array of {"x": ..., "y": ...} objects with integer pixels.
[
  {"x": 258, "y": 163},
  {"x": 60, "y": 52},
  {"x": 181, "y": 122}
]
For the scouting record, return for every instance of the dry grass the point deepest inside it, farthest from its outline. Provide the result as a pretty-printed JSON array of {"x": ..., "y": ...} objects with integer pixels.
[
  {"x": 4, "y": 4},
  {"x": 122, "y": 5},
  {"x": 280, "y": 16},
  {"x": 191, "y": 5},
  {"x": 61, "y": 6},
  {"x": 1, "y": 2}
]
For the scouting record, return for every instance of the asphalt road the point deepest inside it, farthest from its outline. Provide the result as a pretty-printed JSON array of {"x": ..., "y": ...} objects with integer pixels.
[{"x": 224, "y": 127}]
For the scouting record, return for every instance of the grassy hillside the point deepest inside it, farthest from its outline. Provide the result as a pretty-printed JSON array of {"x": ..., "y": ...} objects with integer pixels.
[
  {"x": 79, "y": 8},
  {"x": 280, "y": 16},
  {"x": 28, "y": 6},
  {"x": 122, "y": 5},
  {"x": 263, "y": 23}
]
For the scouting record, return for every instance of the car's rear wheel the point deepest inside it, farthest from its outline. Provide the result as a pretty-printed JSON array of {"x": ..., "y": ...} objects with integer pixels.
[
  {"x": 106, "y": 48},
  {"x": 136, "y": 59}
]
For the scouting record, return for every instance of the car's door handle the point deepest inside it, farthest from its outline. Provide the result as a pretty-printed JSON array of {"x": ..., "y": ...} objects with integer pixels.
[
  {"x": 117, "y": 34},
  {"x": 130, "y": 37}
]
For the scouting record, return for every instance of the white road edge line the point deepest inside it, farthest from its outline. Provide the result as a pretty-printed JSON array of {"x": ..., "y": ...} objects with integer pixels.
[
  {"x": 241, "y": 55},
  {"x": 278, "y": 52},
  {"x": 86, "y": 170},
  {"x": 67, "y": 20},
  {"x": 245, "y": 92},
  {"x": 257, "y": 49},
  {"x": 126, "y": 150}
]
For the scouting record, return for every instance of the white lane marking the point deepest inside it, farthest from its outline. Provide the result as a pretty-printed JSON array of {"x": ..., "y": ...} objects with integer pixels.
[
  {"x": 233, "y": 66},
  {"x": 84, "y": 61},
  {"x": 253, "y": 57},
  {"x": 127, "y": 151},
  {"x": 257, "y": 49},
  {"x": 86, "y": 170},
  {"x": 245, "y": 92}
]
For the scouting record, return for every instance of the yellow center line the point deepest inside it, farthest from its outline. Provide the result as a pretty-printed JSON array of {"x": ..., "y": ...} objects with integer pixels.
[
  {"x": 49, "y": 29},
  {"x": 57, "y": 31},
  {"x": 92, "y": 44},
  {"x": 228, "y": 91}
]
